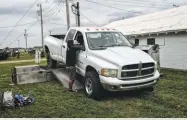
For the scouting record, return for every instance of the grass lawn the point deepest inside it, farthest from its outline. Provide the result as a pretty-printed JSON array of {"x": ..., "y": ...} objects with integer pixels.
[{"x": 168, "y": 100}]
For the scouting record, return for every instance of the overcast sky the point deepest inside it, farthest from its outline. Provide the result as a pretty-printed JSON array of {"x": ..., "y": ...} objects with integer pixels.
[{"x": 55, "y": 16}]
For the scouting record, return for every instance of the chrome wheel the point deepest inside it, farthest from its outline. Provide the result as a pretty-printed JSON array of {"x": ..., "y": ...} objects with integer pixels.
[{"x": 88, "y": 86}]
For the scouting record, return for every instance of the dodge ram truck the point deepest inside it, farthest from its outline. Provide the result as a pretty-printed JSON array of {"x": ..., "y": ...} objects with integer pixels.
[{"x": 104, "y": 58}]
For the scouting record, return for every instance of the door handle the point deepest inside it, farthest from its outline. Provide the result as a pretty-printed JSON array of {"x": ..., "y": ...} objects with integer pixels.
[{"x": 63, "y": 46}]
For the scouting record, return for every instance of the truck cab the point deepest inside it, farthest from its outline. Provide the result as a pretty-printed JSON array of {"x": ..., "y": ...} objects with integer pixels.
[{"x": 105, "y": 59}]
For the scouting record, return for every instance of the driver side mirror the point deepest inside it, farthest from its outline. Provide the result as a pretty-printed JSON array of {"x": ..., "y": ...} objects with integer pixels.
[{"x": 70, "y": 43}]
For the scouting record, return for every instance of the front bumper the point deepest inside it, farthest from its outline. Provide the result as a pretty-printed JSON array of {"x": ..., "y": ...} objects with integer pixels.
[{"x": 114, "y": 84}]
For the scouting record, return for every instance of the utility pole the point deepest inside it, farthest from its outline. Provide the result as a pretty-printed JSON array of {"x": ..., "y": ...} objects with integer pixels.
[
  {"x": 26, "y": 35},
  {"x": 67, "y": 14},
  {"x": 76, "y": 19},
  {"x": 76, "y": 11},
  {"x": 18, "y": 44},
  {"x": 41, "y": 17},
  {"x": 78, "y": 14}
]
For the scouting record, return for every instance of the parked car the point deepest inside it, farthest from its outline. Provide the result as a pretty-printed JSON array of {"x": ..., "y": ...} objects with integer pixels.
[
  {"x": 8, "y": 51},
  {"x": 105, "y": 59},
  {"x": 15, "y": 52},
  {"x": 3, "y": 54}
]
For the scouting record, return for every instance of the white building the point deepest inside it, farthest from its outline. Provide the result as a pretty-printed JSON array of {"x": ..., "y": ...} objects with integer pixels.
[{"x": 167, "y": 28}]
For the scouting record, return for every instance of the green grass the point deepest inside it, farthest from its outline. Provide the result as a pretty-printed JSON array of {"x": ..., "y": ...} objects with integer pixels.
[{"x": 52, "y": 100}]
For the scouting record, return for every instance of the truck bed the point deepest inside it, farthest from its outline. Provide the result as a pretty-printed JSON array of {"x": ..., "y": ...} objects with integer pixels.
[{"x": 58, "y": 36}]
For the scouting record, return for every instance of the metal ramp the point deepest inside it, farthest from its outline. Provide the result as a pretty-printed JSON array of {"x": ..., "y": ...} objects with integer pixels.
[{"x": 67, "y": 77}]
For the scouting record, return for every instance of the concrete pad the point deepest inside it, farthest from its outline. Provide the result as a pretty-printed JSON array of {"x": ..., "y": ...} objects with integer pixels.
[
  {"x": 36, "y": 74},
  {"x": 30, "y": 74}
]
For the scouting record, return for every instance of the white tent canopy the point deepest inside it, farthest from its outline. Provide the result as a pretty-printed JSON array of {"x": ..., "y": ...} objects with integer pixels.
[{"x": 165, "y": 21}]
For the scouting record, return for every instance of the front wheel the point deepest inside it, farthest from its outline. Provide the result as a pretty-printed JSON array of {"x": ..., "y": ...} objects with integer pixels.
[
  {"x": 92, "y": 85},
  {"x": 50, "y": 62}
]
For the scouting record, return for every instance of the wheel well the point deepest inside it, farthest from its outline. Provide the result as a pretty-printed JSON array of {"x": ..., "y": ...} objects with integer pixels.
[
  {"x": 90, "y": 68},
  {"x": 46, "y": 49}
]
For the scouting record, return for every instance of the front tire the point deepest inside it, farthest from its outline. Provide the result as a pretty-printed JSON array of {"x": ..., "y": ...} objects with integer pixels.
[
  {"x": 92, "y": 85},
  {"x": 50, "y": 62}
]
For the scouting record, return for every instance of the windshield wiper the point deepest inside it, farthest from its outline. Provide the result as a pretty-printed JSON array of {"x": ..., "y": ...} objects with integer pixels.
[
  {"x": 114, "y": 45},
  {"x": 100, "y": 48}
]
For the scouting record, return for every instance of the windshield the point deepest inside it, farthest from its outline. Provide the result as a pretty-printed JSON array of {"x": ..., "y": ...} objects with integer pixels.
[{"x": 98, "y": 40}]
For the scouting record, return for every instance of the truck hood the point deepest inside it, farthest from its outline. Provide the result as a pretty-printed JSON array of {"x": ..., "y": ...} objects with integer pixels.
[{"x": 122, "y": 55}]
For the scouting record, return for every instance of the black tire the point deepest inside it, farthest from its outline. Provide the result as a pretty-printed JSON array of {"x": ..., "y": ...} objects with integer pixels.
[
  {"x": 97, "y": 89},
  {"x": 50, "y": 62}
]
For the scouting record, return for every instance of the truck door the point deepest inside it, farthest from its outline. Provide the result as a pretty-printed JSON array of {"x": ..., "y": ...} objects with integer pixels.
[
  {"x": 65, "y": 49},
  {"x": 80, "y": 54}
]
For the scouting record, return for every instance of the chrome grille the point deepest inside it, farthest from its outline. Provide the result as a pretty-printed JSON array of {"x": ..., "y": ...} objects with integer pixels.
[
  {"x": 129, "y": 74},
  {"x": 137, "y": 70},
  {"x": 147, "y": 72},
  {"x": 146, "y": 65},
  {"x": 127, "y": 67}
]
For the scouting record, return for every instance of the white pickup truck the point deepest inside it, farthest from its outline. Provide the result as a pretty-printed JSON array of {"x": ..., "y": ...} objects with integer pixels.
[{"x": 105, "y": 58}]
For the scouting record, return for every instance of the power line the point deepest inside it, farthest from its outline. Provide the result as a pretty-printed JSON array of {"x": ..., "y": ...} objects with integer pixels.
[
  {"x": 88, "y": 18},
  {"x": 53, "y": 23},
  {"x": 22, "y": 34},
  {"x": 55, "y": 7},
  {"x": 56, "y": 12},
  {"x": 18, "y": 22},
  {"x": 15, "y": 39},
  {"x": 27, "y": 29},
  {"x": 112, "y": 7},
  {"x": 49, "y": 6},
  {"x": 18, "y": 25}
]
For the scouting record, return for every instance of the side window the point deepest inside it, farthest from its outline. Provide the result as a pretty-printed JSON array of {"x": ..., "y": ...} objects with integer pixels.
[
  {"x": 79, "y": 39},
  {"x": 151, "y": 41},
  {"x": 136, "y": 41},
  {"x": 70, "y": 35}
]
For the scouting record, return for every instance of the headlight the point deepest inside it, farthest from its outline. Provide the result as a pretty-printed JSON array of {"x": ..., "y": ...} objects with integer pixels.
[{"x": 109, "y": 72}]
